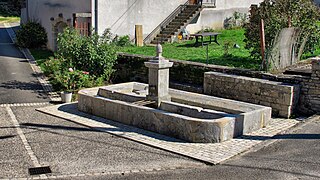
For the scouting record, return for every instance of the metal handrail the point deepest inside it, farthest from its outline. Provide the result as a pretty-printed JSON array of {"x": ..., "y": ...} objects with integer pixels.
[{"x": 165, "y": 22}]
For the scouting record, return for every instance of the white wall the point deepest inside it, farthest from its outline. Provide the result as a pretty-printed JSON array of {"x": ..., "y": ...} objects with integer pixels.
[
  {"x": 43, "y": 10},
  {"x": 214, "y": 17},
  {"x": 122, "y": 15}
]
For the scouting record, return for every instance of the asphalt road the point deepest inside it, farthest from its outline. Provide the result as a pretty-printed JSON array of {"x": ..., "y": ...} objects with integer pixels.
[
  {"x": 70, "y": 149},
  {"x": 293, "y": 156},
  {"x": 18, "y": 83}
]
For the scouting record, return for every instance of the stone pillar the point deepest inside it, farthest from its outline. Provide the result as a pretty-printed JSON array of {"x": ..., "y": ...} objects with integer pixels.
[{"x": 158, "y": 78}]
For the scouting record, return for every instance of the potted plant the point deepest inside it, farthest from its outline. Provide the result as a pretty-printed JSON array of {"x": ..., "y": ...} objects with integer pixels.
[{"x": 66, "y": 95}]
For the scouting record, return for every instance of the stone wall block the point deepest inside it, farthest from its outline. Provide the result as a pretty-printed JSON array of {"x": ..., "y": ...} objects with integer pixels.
[
  {"x": 316, "y": 64},
  {"x": 277, "y": 95}
]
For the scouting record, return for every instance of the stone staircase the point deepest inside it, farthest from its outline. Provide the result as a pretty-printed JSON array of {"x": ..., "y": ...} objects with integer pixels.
[{"x": 173, "y": 25}]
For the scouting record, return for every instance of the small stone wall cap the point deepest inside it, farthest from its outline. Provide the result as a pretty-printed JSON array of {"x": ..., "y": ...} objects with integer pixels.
[{"x": 317, "y": 58}]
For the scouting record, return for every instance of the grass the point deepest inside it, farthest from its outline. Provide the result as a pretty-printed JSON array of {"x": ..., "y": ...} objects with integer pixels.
[
  {"x": 9, "y": 19},
  {"x": 236, "y": 57},
  {"x": 187, "y": 51},
  {"x": 41, "y": 55},
  {"x": 310, "y": 55}
]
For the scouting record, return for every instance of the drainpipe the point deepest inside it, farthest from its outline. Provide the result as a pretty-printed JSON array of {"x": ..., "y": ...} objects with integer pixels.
[
  {"x": 27, "y": 9},
  {"x": 96, "y": 16}
]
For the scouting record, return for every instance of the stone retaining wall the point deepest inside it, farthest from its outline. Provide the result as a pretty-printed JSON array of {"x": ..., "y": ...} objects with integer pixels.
[
  {"x": 188, "y": 76},
  {"x": 310, "y": 90},
  {"x": 131, "y": 68},
  {"x": 280, "y": 96}
]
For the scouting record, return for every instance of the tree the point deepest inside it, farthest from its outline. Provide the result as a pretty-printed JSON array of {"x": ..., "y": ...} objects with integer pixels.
[{"x": 279, "y": 14}]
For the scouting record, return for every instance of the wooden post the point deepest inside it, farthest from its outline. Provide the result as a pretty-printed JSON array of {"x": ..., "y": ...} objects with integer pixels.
[
  {"x": 139, "y": 35},
  {"x": 262, "y": 44}
]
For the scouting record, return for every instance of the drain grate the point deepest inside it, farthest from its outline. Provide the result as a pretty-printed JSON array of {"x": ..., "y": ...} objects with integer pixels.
[{"x": 39, "y": 170}]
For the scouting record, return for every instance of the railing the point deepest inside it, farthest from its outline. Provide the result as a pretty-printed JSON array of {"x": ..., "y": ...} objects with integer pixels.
[{"x": 164, "y": 23}]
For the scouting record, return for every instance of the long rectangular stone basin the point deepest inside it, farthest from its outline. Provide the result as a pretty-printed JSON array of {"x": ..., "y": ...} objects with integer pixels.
[
  {"x": 191, "y": 129},
  {"x": 189, "y": 116},
  {"x": 249, "y": 117}
]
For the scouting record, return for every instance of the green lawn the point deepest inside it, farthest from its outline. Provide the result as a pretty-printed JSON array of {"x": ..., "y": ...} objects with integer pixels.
[
  {"x": 9, "y": 19},
  {"x": 187, "y": 51},
  {"x": 41, "y": 55}
]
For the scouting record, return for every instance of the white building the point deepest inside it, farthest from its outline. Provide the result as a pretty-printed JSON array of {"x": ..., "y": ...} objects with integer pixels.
[{"x": 122, "y": 15}]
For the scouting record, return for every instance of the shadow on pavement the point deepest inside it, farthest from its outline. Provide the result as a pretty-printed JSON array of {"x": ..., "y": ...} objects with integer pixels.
[
  {"x": 270, "y": 170},
  {"x": 46, "y": 128},
  {"x": 283, "y": 136},
  {"x": 7, "y": 137},
  {"x": 33, "y": 86},
  {"x": 68, "y": 128}
]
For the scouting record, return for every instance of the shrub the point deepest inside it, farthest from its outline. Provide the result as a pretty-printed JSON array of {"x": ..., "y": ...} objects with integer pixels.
[
  {"x": 92, "y": 54},
  {"x": 52, "y": 66},
  {"x": 122, "y": 41},
  {"x": 279, "y": 14},
  {"x": 237, "y": 20},
  {"x": 31, "y": 35},
  {"x": 73, "y": 80}
]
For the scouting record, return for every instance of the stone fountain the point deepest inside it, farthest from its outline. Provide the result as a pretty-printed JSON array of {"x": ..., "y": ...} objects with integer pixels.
[{"x": 184, "y": 115}]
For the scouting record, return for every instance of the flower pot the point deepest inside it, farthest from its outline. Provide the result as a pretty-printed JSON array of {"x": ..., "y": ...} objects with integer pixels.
[{"x": 66, "y": 97}]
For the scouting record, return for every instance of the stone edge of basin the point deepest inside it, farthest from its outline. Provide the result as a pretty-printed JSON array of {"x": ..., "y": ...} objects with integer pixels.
[
  {"x": 171, "y": 124},
  {"x": 211, "y": 131}
]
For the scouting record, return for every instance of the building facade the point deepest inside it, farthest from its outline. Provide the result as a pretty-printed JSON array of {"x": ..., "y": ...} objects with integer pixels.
[{"x": 122, "y": 16}]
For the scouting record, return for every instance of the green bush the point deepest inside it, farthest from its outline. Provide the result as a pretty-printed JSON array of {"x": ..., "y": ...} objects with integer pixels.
[
  {"x": 237, "y": 20},
  {"x": 279, "y": 14},
  {"x": 92, "y": 54},
  {"x": 122, "y": 41},
  {"x": 31, "y": 35},
  {"x": 52, "y": 66},
  {"x": 73, "y": 80}
]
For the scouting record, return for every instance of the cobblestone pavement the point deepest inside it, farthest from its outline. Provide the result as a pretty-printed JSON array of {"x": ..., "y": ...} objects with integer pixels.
[{"x": 212, "y": 153}]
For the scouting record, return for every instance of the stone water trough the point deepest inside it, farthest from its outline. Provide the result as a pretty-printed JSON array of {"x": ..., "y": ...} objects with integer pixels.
[{"x": 187, "y": 116}]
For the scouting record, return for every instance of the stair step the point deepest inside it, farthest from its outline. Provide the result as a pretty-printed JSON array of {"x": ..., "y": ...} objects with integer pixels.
[
  {"x": 176, "y": 24},
  {"x": 180, "y": 20},
  {"x": 181, "y": 17},
  {"x": 170, "y": 27},
  {"x": 169, "y": 33},
  {"x": 164, "y": 35},
  {"x": 156, "y": 42},
  {"x": 160, "y": 39},
  {"x": 186, "y": 14},
  {"x": 189, "y": 10}
]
